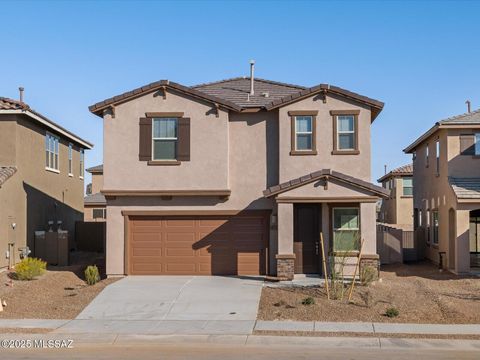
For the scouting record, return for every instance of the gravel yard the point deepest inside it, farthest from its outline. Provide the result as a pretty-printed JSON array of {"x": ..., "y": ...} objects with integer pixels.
[
  {"x": 61, "y": 293},
  {"x": 420, "y": 292}
]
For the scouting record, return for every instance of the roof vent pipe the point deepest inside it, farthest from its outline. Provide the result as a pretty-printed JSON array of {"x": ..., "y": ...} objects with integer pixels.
[
  {"x": 252, "y": 70},
  {"x": 21, "y": 89},
  {"x": 469, "y": 110}
]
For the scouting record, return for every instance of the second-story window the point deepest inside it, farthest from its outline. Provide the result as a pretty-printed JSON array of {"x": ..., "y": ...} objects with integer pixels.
[
  {"x": 164, "y": 139},
  {"x": 426, "y": 155},
  {"x": 346, "y": 132},
  {"x": 51, "y": 152},
  {"x": 477, "y": 144},
  {"x": 70, "y": 159},
  {"x": 437, "y": 153},
  {"x": 407, "y": 186},
  {"x": 303, "y": 133},
  {"x": 82, "y": 163}
]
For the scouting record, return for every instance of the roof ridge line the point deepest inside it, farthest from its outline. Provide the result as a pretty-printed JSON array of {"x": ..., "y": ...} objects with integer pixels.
[{"x": 273, "y": 82}]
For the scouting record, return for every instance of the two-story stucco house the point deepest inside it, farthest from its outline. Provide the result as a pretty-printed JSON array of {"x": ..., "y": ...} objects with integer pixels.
[
  {"x": 95, "y": 203},
  {"x": 238, "y": 176},
  {"x": 398, "y": 208},
  {"x": 41, "y": 177},
  {"x": 447, "y": 191}
]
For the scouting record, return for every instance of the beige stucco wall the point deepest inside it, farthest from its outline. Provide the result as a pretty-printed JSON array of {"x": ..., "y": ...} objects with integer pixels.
[
  {"x": 397, "y": 209},
  {"x": 234, "y": 156},
  {"x": 292, "y": 167},
  {"x": 40, "y": 195},
  {"x": 434, "y": 192},
  {"x": 97, "y": 183}
]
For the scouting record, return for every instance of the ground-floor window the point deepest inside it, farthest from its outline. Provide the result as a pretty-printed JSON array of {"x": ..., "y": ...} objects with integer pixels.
[
  {"x": 99, "y": 213},
  {"x": 346, "y": 229},
  {"x": 435, "y": 227}
]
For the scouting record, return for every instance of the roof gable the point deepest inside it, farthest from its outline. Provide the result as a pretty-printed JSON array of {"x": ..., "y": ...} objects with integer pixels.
[
  {"x": 405, "y": 170},
  {"x": 326, "y": 174}
]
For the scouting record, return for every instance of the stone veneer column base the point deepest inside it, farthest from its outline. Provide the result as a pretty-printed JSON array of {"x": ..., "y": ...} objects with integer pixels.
[
  {"x": 285, "y": 266},
  {"x": 370, "y": 261}
]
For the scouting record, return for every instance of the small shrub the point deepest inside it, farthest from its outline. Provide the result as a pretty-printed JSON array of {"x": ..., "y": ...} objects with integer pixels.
[
  {"x": 29, "y": 268},
  {"x": 91, "y": 275},
  {"x": 392, "y": 312},
  {"x": 368, "y": 275},
  {"x": 308, "y": 301}
]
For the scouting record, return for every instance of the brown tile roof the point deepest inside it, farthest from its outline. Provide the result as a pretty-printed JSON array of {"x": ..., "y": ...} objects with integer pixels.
[
  {"x": 237, "y": 90},
  {"x": 325, "y": 173},
  {"x": 95, "y": 169},
  {"x": 158, "y": 85},
  {"x": 6, "y": 172},
  {"x": 233, "y": 94},
  {"x": 465, "y": 188},
  {"x": 10, "y": 104},
  {"x": 402, "y": 170},
  {"x": 95, "y": 199},
  {"x": 376, "y": 105}
]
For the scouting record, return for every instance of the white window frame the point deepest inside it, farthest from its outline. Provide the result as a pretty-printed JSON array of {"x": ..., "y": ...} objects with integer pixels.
[
  {"x": 53, "y": 163},
  {"x": 435, "y": 227},
  {"x": 427, "y": 225},
  {"x": 340, "y": 132},
  {"x": 403, "y": 185},
  {"x": 427, "y": 154},
  {"x": 175, "y": 139},
  {"x": 82, "y": 163},
  {"x": 104, "y": 213},
  {"x": 333, "y": 224},
  {"x": 70, "y": 159},
  {"x": 420, "y": 217},
  {"x": 477, "y": 144},
  {"x": 304, "y": 132},
  {"x": 437, "y": 154}
]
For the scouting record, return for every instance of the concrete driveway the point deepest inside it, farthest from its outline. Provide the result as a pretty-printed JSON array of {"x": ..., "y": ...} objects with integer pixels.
[{"x": 177, "y": 298}]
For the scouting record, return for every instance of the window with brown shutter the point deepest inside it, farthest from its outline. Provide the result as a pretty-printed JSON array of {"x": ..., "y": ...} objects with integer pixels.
[
  {"x": 467, "y": 144},
  {"x": 145, "y": 140},
  {"x": 183, "y": 144}
]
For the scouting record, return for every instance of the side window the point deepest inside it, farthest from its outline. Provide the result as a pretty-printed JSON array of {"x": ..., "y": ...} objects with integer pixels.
[
  {"x": 303, "y": 133},
  {"x": 51, "y": 152},
  {"x": 82, "y": 163},
  {"x": 70, "y": 159},
  {"x": 99, "y": 213},
  {"x": 427, "y": 155},
  {"x": 437, "y": 154},
  {"x": 407, "y": 186}
]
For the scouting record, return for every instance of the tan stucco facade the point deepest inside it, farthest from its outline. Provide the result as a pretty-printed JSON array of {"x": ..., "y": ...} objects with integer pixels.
[
  {"x": 244, "y": 153},
  {"x": 433, "y": 192},
  {"x": 34, "y": 195},
  {"x": 398, "y": 208}
]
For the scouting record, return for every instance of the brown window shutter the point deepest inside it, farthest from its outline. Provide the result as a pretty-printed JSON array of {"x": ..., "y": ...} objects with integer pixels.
[
  {"x": 183, "y": 145},
  {"x": 145, "y": 140},
  {"x": 467, "y": 144}
]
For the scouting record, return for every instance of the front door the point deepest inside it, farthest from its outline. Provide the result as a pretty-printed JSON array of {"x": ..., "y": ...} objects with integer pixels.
[{"x": 306, "y": 242}]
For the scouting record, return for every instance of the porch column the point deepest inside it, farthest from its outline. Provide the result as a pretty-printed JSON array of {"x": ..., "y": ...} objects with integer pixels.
[
  {"x": 368, "y": 228},
  {"x": 462, "y": 242},
  {"x": 285, "y": 256}
]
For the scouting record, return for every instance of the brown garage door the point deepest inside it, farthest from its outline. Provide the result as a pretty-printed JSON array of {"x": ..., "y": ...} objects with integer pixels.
[{"x": 198, "y": 245}]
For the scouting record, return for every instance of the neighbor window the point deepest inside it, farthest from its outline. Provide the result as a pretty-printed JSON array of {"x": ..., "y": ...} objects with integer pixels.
[
  {"x": 437, "y": 154},
  {"x": 164, "y": 139},
  {"x": 427, "y": 225},
  {"x": 346, "y": 132},
  {"x": 51, "y": 152},
  {"x": 303, "y": 133},
  {"x": 435, "y": 227},
  {"x": 82, "y": 162},
  {"x": 99, "y": 213},
  {"x": 420, "y": 217},
  {"x": 70, "y": 159},
  {"x": 346, "y": 229},
  {"x": 426, "y": 155},
  {"x": 407, "y": 186},
  {"x": 477, "y": 144}
]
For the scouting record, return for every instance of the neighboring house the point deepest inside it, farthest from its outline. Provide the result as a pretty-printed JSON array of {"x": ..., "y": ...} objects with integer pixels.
[
  {"x": 237, "y": 176},
  {"x": 446, "y": 174},
  {"x": 398, "y": 208},
  {"x": 95, "y": 203},
  {"x": 41, "y": 177}
]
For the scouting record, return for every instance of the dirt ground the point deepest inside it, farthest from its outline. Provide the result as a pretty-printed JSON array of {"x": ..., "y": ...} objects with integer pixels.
[
  {"x": 61, "y": 293},
  {"x": 420, "y": 292}
]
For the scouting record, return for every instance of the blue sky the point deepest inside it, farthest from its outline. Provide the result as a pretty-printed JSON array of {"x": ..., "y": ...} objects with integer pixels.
[{"x": 420, "y": 58}]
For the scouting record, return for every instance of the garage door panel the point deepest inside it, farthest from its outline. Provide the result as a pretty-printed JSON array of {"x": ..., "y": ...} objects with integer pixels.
[{"x": 200, "y": 245}]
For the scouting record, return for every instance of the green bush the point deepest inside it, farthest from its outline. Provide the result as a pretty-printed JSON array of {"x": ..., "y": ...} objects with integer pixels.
[
  {"x": 91, "y": 275},
  {"x": 29, "y": 268},
  {"x": 308, "y": 301},
  {"x": 392, "y": 312}
]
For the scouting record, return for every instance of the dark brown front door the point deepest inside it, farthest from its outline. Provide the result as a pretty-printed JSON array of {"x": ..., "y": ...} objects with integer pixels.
[{"x": 306, "y": 242}]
